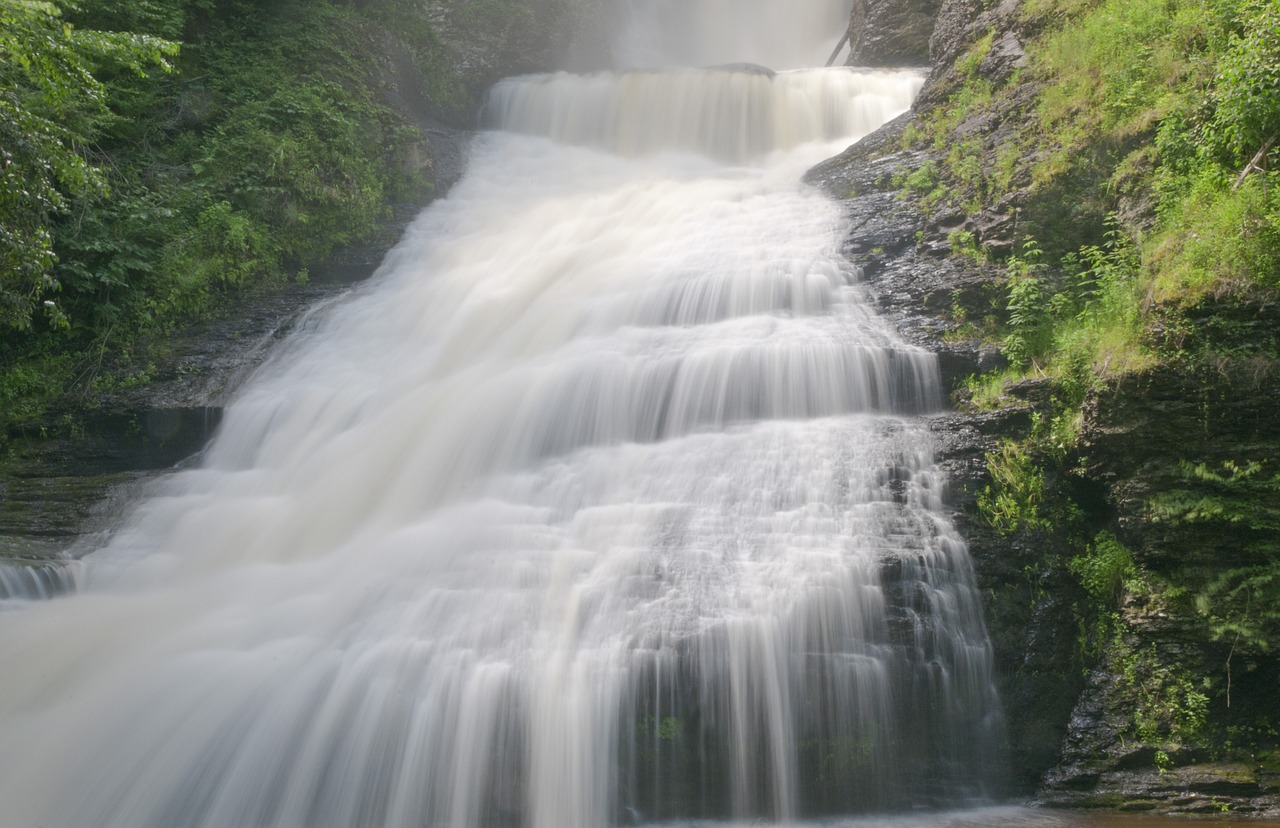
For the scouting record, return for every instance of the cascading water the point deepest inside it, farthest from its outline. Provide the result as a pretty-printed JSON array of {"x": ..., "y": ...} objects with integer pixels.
[{"x": 603, "y": 502}]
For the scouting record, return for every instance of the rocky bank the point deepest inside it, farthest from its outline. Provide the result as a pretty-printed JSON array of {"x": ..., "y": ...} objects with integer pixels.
[{"x": 1134, "y": 718}]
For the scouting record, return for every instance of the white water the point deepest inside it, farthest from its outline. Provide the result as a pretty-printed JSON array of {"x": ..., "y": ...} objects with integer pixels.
[{"x": 604, "y": 501}]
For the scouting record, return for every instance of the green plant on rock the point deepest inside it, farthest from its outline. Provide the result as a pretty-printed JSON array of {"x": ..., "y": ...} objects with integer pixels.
[
  {"x": 1014, "y": 499},
  {"x": 1219, "y": 239},
  {"x": 1247, "y": 88},
  {"x": 1030, "y": 318},
  {"x": 965, "y": 245},
  {"x": 1105, "y": 570},
  {"x": 1241, "y": 603},
  {"x": 1168, "y": 707}
]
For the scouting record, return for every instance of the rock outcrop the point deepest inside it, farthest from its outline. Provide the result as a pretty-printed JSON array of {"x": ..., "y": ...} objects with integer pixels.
[{"x": 891, "y": 32}]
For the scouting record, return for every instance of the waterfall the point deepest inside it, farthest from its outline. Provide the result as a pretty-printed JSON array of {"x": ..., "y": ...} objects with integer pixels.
[
  {"x": 736, "y": 114},
  {"x": 607, "y": 500}
]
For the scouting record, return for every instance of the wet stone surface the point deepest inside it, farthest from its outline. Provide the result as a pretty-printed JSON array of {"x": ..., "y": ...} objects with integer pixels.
[{"x": 59, "y": 493}]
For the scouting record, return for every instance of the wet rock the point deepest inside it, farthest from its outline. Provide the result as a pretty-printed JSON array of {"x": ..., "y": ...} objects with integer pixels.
[
  {"x": 1029, "y": 606},
  {"x": 1138, "y": 435},
  {"x": 960, "y": 24},
  {"x": 903, "y": 259},
  {"x": 1198, "y": 789},
  {"x": 1069, "y": 720},
  {"x": 891, "y": 32}
]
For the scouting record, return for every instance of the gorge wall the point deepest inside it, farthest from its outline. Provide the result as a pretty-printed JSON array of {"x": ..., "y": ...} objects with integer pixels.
[{"x": 1128, "y": 682}]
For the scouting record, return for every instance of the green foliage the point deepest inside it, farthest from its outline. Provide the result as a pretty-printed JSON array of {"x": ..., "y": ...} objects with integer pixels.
[
  {"x": 291, "y": 155},
  {"x": 1099, "y": 329},
  {"x": 1106, "y": 571},
  {"x": 1218, "y": 239},
  {"x": 1104, "y": 568},
  {"x": 926, "y": 182},
  {"x": 1168, "y": 708},
  {"x": 1247, "y": 88},
  {"x": 229, "y": 246},
  {"x": 1029, "y": 313},
  {"x": 52, "y": 108},
  {"x": 132, "y": 201},
  {"x": 1120, "y": 66},
  {"x": 27, "y": 388},
  {"x": 1204, "y": 77},
  {"x": 1080, "y": 324},
  {"x": 1241, "y": 603},
  {"x": 963, "y": 243},
  {"x": 923, "y": 180},
  {"x": 1148, "y": 110},
  {"x": 986, "y": 392},
  {"x": 1014, "y": 499},
  {"x": 1240, "y": 495}
]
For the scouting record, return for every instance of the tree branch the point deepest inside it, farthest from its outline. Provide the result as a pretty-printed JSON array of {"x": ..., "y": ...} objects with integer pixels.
[{"x": 1257, "y": 160}]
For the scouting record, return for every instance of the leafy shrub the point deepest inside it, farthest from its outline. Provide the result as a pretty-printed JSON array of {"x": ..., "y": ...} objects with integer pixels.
[
  {"x": 1103, "y": 568},
  {"x": 1247, "y": 90},
  {"x": 52, "y": 107},
  {"x": 1219, "y": 239}
]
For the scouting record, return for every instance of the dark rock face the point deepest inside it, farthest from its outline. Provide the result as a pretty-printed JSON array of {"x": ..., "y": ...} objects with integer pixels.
[
  {"x": 1029, "y": 605},
  {"x": 490, "y": 41},
  {"x": 891, "y": 32},
  {"x": 56, "y": 491},
  {"x": 960, "y": 24},
  {"x": 906, "y": 264},
  {"x": 1074, "y": 738},
  {"x": 904, "y": 257},
  {"x": 1139, "y": 436}
]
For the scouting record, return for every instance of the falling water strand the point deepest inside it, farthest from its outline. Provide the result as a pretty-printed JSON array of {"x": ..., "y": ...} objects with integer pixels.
[{"x": 605, "y": 501}]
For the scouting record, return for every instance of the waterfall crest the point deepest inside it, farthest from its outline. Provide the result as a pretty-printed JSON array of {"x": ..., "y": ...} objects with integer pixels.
[{"x": 735, "y": 114}]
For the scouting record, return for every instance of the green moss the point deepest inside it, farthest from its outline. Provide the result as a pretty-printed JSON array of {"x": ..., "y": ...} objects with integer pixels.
[
  {"x": 1168, "y": 708},
  {"x": 1218, "y": 239}
]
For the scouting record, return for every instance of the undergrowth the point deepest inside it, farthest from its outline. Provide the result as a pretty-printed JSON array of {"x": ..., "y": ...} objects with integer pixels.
[
  {"x": 1149, "y": 227},
  {"x": 201, "y": 150}
]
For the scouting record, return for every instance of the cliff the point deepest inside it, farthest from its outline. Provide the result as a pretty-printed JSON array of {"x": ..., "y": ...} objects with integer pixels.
[{"x": 1114, "y": 455}]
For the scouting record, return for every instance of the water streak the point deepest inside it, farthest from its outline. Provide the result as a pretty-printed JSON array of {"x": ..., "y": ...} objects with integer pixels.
[{"x": 38, "y": 580}]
